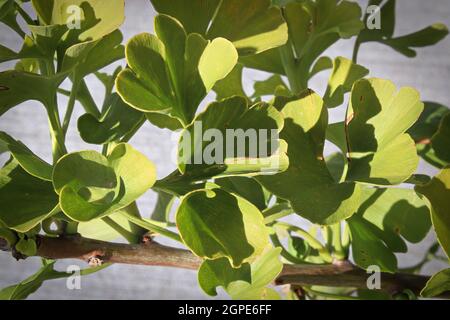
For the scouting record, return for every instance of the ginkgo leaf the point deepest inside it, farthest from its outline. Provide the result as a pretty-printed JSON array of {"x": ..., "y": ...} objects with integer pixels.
[
  {"x": 253, "y": 26},
  {"x": 99, "y": 17},
  {"x": 380, "y": 150},
  {"x": 438, "y": 193},
  {"x": 87, "y": 57},
  {"x": 91, "y": 185},
  {"x": 245, "y": 187},
  {"x": 313, "y": 27},
  {"x": 247, "y": 282},
  {"x": 405, "y": 44},
  {"x": 345, "y": 74},
  {"x": 438, "y": 284},
  {"x": 30, "y": 285},
  {"x": 269, "y": 86},
  {"x": 17, "y": 87},
  {"x": 24, "y": 199},
  {"x": 307, "y": 183},
  {"x": 116, "y": 121},
  {"x": 30, "y": 162},
  {"x": 368, "y": 249},
  {"x": 231, "y": 85},
  {"x": 173, "y": 77},
  {"x": 395, "y": 215},
  {"x": 231, "y": 138},
  {"x": 441, "y": 140},
  {"x": 216, "y": 224}
]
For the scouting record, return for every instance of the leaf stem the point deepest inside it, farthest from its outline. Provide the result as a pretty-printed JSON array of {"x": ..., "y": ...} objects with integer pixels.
[
  {"x": 338, "y": 251},
  {"x": 70, "y": 105},
  {"x": 129, "y": 236},
  {"x": 356, "y": 48},
  {"x": 313, "y": 242},
  {"x": 24, "y": 15},
  {"x": 136, "y": 128},
  {"x": 148, "y": 225},
  {"x": 56, "y": 132},
  {"x": 278, "y": 211}
]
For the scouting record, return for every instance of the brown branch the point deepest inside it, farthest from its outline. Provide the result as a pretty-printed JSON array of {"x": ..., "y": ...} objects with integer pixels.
[{"x": 340, "y": 274}]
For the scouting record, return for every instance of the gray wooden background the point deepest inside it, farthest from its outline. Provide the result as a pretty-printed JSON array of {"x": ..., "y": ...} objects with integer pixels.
[{"x": 429, "y": 73}]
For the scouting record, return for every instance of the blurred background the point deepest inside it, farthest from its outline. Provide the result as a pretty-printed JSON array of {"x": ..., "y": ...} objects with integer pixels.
[{"x": 429, "y": 72}]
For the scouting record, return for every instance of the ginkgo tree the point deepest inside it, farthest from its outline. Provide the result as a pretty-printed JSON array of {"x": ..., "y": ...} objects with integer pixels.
[{"x": 363, "y": 203}]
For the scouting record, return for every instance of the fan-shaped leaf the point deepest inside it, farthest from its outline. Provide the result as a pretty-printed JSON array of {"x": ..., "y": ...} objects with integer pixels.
[
  {"x": 91, "y": 186},
  {"x": 173, "y": 76},
  {"x": 215, "y": 224},
  {"x": 253, "y": 25},
  {"x": 438, "y": 192},
  {"x": 307, "y": 183},
  {"x": 24, "y": 199},
  {"x": 380, "y": 150}
]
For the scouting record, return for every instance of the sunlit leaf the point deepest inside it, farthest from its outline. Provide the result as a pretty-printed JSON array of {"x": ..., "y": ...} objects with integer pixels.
[
  {"x": 307, "y": 183},
  {"x": 170, "y": 76},
  {"x": 380, "y": 150},
  {"x": 438, "y": 192},
  {"x": 439, "y": 283}
]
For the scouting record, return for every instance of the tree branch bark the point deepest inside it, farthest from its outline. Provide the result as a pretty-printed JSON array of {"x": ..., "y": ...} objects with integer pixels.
[{"x": 339, "y": 274}]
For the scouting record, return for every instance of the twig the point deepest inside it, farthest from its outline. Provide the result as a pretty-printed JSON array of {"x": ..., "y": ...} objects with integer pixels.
[{"x": 339, "y": 274}]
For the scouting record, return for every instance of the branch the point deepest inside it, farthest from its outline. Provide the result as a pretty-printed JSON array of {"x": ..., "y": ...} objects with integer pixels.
[{"x": 338, "y": 274}]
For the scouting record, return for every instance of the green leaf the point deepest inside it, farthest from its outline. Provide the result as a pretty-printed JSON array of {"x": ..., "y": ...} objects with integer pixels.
[
  {"x": 403, "y": 44},
  {"x": 231, "y": 138},
  {"x": 163, "y": 207},
  {"x": 216, "y": 224},
  {"x": 88, "y": 57},
  {"x": 438, "y": 193},
  {"x": 438, "y": 284},
  {"x": 99, "y": 17},
  {"x": 441, "y": 140},
  {"x": 33, "y": 283},
  {"x": 163, "y": 121},
  {"x": 24, "y": 199},
  {"x": 269, "y": 86},
  {"x": 172, "y": 76},
  {"x": 313, "y": 27},
  {"x": 100, "y": 230},
  {"x": 247, "y": 282},
  {"x": 345, "y": 74},
  {"x": 264, "y": 272},
  {"x": 219, "y": 273},
  {"x": 30, "y": 162},
  {"x": 231, "y": 85},
  {"x": 381, "y": 152},
  {"x": 269, "y": 61},
  {"x": 336, "y": 164},
  {"x": 17, "y": 87},
  {"x": 322, "y": 64},
  {"x": 92, "y": 186},
  {"x": 27, "y": 247},
  {"x": 368, "y": 249},
  {"x": 115, "y": 122},
  {"x": 253, "y": 26},
  {"x": 396, "y": 214},
  {"x": 428, "y": 124},
  {"x": 246, "y": 188},
  {"x": 307, "y": 183}
]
